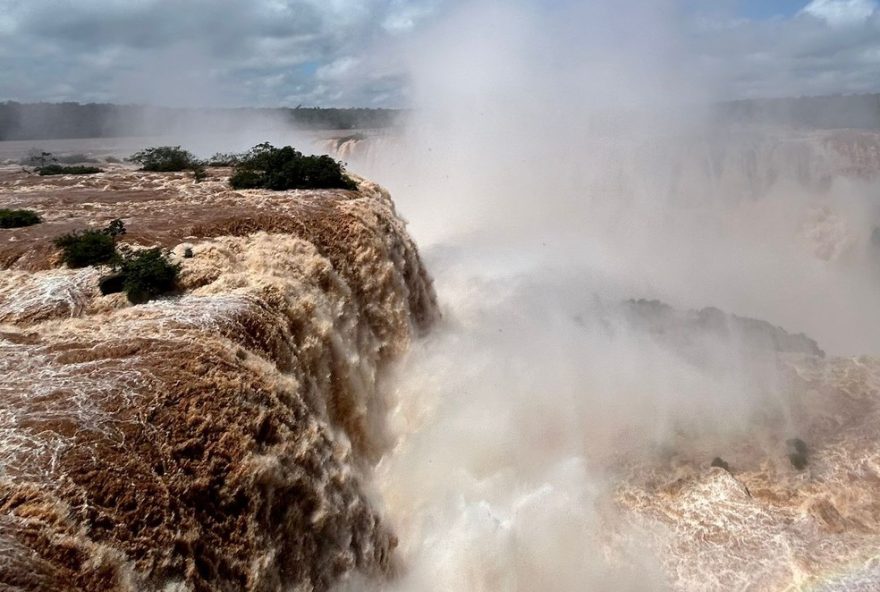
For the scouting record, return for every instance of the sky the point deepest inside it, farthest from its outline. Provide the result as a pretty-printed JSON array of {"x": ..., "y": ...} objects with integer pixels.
[
  {"x": 762, "y": 9},
  {"x": 354, "y": 52}
]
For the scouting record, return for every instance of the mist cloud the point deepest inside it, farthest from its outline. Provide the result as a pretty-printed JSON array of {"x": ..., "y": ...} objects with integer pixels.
[{"x": 549, "y": 173}]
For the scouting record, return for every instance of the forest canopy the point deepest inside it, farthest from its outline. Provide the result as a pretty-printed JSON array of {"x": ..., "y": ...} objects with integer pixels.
[
  {"x": 45, "y": 121},
  {"x": 48, "y": 121}
]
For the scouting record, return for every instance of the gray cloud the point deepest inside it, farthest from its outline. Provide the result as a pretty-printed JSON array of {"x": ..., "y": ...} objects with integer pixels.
[
  {"x": 354, "y": 52},
  {"x": 821, "y": 50},
  {"x": 202, "y": 51}
]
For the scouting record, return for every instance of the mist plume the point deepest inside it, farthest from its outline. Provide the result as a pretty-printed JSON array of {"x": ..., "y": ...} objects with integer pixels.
[{"x": 553, "y": 173}]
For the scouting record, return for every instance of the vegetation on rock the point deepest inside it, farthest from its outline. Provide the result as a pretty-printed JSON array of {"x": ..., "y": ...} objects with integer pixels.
[
  {"x": 267, "y": 167},
  {"x": 58, "y": 169},
  {"x": 146, "y": 274},
  {"x": 86, "y": 247},
  {"x": 720, "y": 463},
  {"x": 90, "y": 247},
  {"x": 142, "y": 274},
  {"x": 797, "y": 453},
  {"x": 165, "y": 159},
  {"x": 38, "y": 158},
  {"x": 46, "y": 163},
  {"x": 18, "y": 218},
  {"x": 225, "y": 159},
  {"x": 169, "y": 159}
]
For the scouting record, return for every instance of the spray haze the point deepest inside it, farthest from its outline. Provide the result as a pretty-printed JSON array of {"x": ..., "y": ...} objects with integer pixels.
[
  {"x": 560, "y": 162},
  {"x": 548, "y": 130}
]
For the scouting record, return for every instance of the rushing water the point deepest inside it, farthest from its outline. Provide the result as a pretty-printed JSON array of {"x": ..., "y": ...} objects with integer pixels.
[
  {"x": 552, "y": 436},
  {"x": 556, "y": 428}
]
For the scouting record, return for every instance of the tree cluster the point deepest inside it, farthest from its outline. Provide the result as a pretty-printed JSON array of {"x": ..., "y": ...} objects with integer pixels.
[
  {"x": 267, "y": 167},
  {"x": 60, "y": 169},
  {"x": 143, "y": 274},
  {"x": 165, "y": 159},
  {"x": 18, "y": 218},
  {"x": 47, "y": 121}
]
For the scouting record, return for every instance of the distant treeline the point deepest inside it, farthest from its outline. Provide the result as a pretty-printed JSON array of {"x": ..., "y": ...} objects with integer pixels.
[
  {"x": 43, "y": 121},
  {"x": 829, "y": 112}
]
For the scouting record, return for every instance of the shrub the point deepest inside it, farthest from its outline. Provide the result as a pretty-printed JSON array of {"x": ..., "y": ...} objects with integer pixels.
[
  {"x": 199, "y": 172},
  {"x": 242, "y": 179},
  {"x": 225, "y": 159},
  {"x": 115, "y": 228},
  {"x": 18, "y": 218},
  {"x": 164, "y": 159},
  {"x": 86, "y": 247},
  {"x": 268, "y": 167},
  {"x": 57, "y": 169},
  {"x": 170, "y": 159},
  {"x": 147, "y": 274},
  {"x": 720, "y": 463},
  {"x": 90, "y": 247},
  {"x": 797, "y": 453},
  {"x": 38, "y": 158}
]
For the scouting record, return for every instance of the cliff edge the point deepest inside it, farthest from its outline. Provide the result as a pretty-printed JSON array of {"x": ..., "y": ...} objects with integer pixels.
[{"x": 214, "y": 439}]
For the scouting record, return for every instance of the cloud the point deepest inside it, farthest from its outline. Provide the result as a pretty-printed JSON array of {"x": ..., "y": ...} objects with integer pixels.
[
  {"x": 355, "y": 52},
  {"x": 338, "y": 69},
  {"x": 215, "y": 52},
  {"x": 829, "y": 47},
  {"x": 841, "y": 12},
  {"x": 405, "y": 16}
]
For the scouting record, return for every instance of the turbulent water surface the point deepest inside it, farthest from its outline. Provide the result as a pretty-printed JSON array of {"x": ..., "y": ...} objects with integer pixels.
[
  {"x": 555, "y": 434},
  {"x": 302, "y": 416},
  {"x": 213, "y": 440}
]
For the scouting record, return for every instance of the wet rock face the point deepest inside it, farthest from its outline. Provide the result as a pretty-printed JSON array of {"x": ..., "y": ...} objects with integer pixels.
[
  {"x": 797, "y": 453},
  {"x": 720, "y": 463},
  {"x": 683, "y": 328},
  {"x": 215, "y": 440}
]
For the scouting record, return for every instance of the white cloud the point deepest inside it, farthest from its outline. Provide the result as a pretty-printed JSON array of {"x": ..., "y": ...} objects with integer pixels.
[
  {"x": 841, "y": 12},
  {"x": 404, "y": 16},
  {"x": 338, "y": 69}
]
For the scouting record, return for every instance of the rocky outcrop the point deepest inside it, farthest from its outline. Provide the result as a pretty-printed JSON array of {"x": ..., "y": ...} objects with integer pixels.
[
  {"x": 682, "y": 328},
  {"x": 215, "y": 440}
]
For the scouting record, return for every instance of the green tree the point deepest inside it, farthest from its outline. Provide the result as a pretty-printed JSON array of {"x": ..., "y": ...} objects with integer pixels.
[
  {"x": 279, "y": 169},
  {"x": 18, "y": 218},
  {"x": 90, "y": 247},
  {"x": 164, "y": 159},
  {"x": 146, "y": 274}
]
